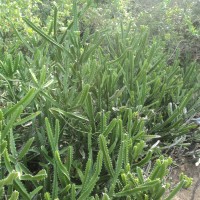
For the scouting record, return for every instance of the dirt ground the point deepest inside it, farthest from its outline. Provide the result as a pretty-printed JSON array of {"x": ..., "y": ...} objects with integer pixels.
[{"x": 190, "y": 169}]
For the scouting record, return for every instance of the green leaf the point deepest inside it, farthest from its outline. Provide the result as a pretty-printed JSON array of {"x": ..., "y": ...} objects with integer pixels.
[
  {"x": 84, "y": 94},
  {"x": 22, "y": 190},
  {"x": 12, "y": 144},
  {"x": 144, "y": 160},
  {"x": 3, "y": 146},
  {"x": 88, "y": 52},
  {"x": 55, "y": 22},
  {"x": 43, "y": 73},
  {"x": 57, "y": 134},
  {"x": 178, "y": 110},
  {"x": 26, "y": 148},
  {"x": 134, "y": 191},
  {"x": 69, "y": 158},
  {"x": 160, "y": 192},
  {"x": 106, "y": 156},
  {"x": 50, "y": 135},
  {"x": 26, "y": 119},
  {"x": 35, "y": 191},
  {"x": 45, "y": 154},
  {"x": 105, "y": 197},
  {"x": 110, "y": 127},
  {"x": 41, "y": 33},
  {"x": 14, "y": 196},
  {"x": 34, "y": 79},
  {"x": 21, "y": 38},
  {"x": 23, "y": 102},
  {"x": 18, "y": 185},
  {"x": 175, "y": 190},
  {"x": 87, "y": 174},
  {"x": 61, "y": 167},
  {"x": 69, "y": 114},
  {"x": 39, "y": 176},
  {"x": 65, "y": 33},
  {"x": 10, "y": 124},
  {"x": 55, "y": 182},
  {"x": 9, "y": 179},
  {"x": 86, "y": 192},
  {"x": 90, "y": 111},
  {"x": 73, "y": 192},
  {"x": 47, "y": 196},
  {"x": 118, "y": 168},
  {"x": 140, "y": 175}
]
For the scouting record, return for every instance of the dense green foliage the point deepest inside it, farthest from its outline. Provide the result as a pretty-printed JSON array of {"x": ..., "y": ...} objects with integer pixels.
[{"x": 91, "y": 94}]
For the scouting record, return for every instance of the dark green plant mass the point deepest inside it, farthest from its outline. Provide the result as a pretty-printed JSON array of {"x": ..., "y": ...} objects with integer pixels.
[{"x": 91, "y": 95}]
